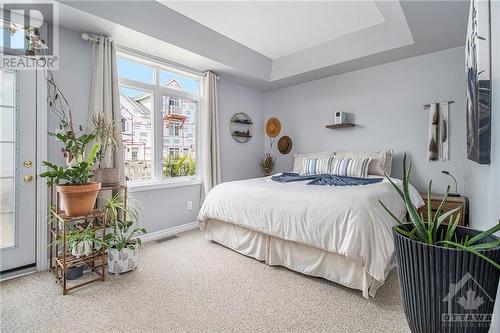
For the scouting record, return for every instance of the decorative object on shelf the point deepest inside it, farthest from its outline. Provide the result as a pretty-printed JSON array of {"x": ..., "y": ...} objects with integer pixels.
[
  {"x": 438, "y": 130},
  {"x": 455, "y": 193},
  {"x": 425, "y": 248},
  {"x": 285, "y": 144},
  {"x": 340, "y": 117},
  {"x": 241, "y": 126},
  {"x": 344, "y": 125},
  {"x": 123, "y": 241},
  {"x": 268, "y": 164},
  {"x": 478, "y": 74},
  {"x": 105, "y": 134},
  {"x": 273, "y": 129},
  {"x": 78, "y": 193}
]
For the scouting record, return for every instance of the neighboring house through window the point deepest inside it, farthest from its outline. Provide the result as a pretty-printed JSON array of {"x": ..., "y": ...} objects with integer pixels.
[{"x": 152, "y": 92}]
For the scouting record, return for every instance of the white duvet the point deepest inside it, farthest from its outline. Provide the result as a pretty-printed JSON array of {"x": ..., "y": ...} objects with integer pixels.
[{"x": 346, "y": 220}]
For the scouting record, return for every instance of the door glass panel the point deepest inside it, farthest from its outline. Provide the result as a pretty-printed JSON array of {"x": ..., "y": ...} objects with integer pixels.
[
  {"x": 7, "y": 144},
  {"x": 7, "y": 80},
  {"x": 6, "y": 124},
  {"x": 6, "y": 212}
]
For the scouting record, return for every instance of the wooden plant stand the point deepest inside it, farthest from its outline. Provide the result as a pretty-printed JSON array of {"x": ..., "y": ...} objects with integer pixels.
[{"x": 59, "y": 254}]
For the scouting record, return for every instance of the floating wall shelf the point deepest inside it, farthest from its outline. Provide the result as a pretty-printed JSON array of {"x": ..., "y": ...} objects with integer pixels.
[{"x": 340, "y": 125}]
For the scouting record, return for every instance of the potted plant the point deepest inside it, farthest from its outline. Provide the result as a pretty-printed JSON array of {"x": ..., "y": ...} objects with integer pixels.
[
  {"x": 448, "y": 274},
  {"x": 268, "y": 164},
  {"x": 81, "y": 242},
  {"x": 122, "y": 242},
  {"x": 105, "y": 134},
  {"x": 77, "y": 192}
]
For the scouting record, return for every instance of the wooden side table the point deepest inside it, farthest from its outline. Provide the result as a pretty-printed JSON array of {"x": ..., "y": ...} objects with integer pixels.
[{"x": 450, "y": 204}]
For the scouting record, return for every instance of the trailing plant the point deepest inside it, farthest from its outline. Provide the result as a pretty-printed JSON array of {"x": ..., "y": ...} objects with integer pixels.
[
  {"x": 268, "y": 163},
  {"x": 429, "y": 232},
  {"x": 77, "y": 174},
  {"x": 178, "y": 166},
  {"x": 105, "y": 134}
]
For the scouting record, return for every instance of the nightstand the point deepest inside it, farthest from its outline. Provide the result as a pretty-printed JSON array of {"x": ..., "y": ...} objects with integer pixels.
[{"x": 450, "y": 203}]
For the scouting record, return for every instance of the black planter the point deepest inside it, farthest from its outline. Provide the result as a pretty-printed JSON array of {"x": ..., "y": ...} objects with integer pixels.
[
  {"x": 74, "y": 272},
  {"x": 446, "y": 290}
]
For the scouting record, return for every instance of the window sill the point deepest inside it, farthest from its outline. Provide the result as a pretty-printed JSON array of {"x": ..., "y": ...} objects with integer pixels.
[{"x": 151, "y": 185}]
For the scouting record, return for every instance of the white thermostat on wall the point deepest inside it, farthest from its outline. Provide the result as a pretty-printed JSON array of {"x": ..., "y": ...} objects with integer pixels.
[{"x": 340, "y": 117}]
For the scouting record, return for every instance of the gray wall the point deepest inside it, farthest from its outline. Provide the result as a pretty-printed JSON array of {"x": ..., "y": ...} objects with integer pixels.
[
  {"x": 386, "y": 103},
  {"x": 483, "y": 181},
  {"x": 163, "y": 208}
]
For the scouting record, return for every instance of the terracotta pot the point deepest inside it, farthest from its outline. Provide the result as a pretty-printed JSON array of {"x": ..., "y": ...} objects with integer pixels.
[
  {"x": 79, "y": 200},
  {"x": 108, "y": 176}
]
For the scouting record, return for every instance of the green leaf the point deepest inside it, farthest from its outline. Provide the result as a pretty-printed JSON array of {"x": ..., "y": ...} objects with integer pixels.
[
  {"x": 390, "y": 213},
  {"x": 462, "y": 247},
  {"x": 484, "y": 234}
]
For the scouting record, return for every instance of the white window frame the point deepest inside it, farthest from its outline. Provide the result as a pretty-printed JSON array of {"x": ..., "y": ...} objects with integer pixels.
[{"x": 158, "y": 181}]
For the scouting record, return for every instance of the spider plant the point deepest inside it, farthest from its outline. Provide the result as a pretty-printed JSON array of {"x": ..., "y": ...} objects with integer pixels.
[
  {"x": 429, "y": 231},
  {"x": 116, "y": 208}
]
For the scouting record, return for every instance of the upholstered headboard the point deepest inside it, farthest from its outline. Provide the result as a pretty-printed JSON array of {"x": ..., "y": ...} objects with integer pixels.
[{"x": 381, "y": 161}]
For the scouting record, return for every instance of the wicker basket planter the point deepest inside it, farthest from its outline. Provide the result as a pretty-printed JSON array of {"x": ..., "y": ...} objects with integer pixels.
[{"x": 446, "y": 290}]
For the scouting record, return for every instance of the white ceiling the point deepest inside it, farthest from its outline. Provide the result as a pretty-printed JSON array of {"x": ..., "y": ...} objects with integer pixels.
[{"x": 277, "y": 29}]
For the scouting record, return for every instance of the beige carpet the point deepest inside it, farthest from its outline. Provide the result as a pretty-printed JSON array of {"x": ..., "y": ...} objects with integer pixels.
[{"x": 191, "y": 284}]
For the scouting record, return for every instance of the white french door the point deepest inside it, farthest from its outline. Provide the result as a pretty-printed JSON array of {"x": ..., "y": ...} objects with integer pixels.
[{"x": 18, "y": 118}]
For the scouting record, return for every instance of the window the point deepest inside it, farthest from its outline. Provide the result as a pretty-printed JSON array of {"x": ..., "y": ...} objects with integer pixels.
[
  {"x": 174, "y": 129},
  {"x": 159, "y": 104}
]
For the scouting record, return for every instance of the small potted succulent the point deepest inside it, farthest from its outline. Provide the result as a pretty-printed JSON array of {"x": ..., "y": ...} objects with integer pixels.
[
  {"x": 445, "y": 271},
  {"x": 268, "y": 164},
  {"x": 73, "y": 181},
  {"x": 105, "y": 134},
  {"x": 123, "y": 241}
]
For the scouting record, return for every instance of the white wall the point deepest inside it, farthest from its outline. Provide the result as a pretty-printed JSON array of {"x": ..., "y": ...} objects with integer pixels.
[
  {"x": 386, "y": 103},
  {"x": 164, "y": 208}
]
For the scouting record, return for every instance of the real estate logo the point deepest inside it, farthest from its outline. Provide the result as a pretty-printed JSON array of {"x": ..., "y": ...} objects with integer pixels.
[
  {"x": 29, "y": 34},
  {"x": 466, "y": 300}
]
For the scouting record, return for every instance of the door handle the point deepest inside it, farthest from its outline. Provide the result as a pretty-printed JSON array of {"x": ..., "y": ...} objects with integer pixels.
[
  {"x": 27, "y": 164},
  {"x": 28, "y": 178}
]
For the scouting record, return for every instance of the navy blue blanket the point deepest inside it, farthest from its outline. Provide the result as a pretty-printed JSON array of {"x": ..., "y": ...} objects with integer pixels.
[{"x": 324, "y": 179}]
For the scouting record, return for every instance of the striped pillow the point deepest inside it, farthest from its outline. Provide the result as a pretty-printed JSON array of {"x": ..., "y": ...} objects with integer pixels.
[
  {"x": 317, "y": 166},
  {"x": 351, "y": 167}
]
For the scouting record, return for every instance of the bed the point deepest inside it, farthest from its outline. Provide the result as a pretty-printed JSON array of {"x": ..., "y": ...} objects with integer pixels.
[{"x": 341, "y": 234}]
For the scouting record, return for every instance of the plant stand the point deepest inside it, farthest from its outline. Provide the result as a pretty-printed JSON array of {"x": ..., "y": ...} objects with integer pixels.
[{"x": 60, "y": 257}]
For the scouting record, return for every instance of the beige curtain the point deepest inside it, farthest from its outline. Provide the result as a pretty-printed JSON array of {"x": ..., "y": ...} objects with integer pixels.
[
  {"x": 210, "y": 151},
  {"x": 105, "y": 96}
]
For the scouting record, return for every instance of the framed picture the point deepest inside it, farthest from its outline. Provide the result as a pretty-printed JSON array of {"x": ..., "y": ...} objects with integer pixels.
[{"x": 478, "y": 71}]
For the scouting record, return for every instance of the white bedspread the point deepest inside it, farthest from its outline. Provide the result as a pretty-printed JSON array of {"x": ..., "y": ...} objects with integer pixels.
[{"x": 345, "y": 220}]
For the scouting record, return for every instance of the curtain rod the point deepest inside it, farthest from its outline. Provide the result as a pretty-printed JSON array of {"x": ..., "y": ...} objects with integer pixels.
[
  {"x": 94, "y": 38},
  {"x": 91, "y": 37}
]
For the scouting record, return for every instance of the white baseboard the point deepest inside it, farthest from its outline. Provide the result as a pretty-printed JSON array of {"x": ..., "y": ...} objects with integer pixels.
[{"x": 152, "y": 236}]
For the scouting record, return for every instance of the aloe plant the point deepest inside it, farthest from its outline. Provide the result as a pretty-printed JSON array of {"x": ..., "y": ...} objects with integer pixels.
[{"x": 428, "y": 231}]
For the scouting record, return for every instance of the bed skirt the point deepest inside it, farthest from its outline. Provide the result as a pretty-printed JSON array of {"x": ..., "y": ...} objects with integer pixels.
[{"x": 295, "y": 256}]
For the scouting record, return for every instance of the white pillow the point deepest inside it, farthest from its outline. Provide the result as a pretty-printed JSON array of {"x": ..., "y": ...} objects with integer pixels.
[{"x": 351, "y": 167}]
